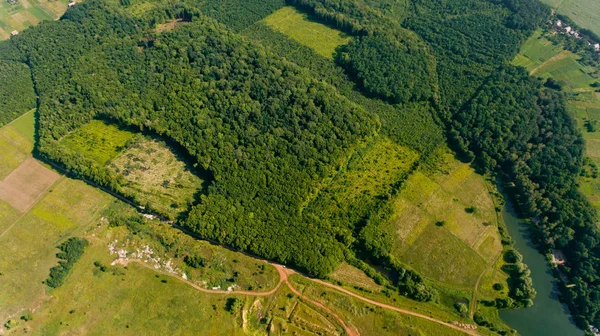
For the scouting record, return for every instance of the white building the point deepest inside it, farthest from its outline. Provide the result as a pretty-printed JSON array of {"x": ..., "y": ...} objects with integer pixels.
[
  {"x": 568, "y": 29},
  {"x": 597, "y": 46},
  {"x": 559, "y": 23},
  {"x": 14, "y": 32}
]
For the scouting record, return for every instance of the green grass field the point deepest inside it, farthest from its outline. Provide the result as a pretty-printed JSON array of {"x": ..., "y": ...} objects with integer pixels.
[
  {"x": 536, "y": 51},
  {"x": 25, "y": 124},
  {"x": 14, "y": 148},
  {"x": 585, "y": 13},
  {"x": 543, "y": 59},
  {"x": 300, "y": 27},
  {"x": 156, "y": 176},
  {"x": 436, "y": 232},
  {"x": 98, "y": 140},
  {"x": 368, "y": 319},
  {"x": 27, "y": 13}
]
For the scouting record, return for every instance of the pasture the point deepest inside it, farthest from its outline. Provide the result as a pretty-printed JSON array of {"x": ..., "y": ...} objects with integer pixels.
[
  {"x": 445, "y": 225},
  {"x": 585, "y": 13},
  {"x": 155, "y": 175},
  {"x": 300, "y": 27},
  {"x": 27, "y": 13},
  {"x": 97, "y": 140}
]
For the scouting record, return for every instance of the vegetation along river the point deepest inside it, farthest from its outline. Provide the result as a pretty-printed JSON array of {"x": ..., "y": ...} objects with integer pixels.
[{"x": 547, "y": 316}]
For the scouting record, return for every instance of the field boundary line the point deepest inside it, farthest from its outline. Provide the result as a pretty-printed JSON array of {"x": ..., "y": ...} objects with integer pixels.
[{"x": 40, "y": 196}]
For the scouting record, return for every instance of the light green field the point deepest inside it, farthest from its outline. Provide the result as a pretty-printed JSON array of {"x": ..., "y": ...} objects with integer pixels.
[
  {"x": 585, "y": 13},
  {"x": 369, "y": 173},
  {"x": 27, "y": 13},
  {"x": 536, "y": 51},
  {"x": 300, "y": 27},
  {"x": 436, "y": 235},
  {"x": 155, "y": 175},
  {"x": 25, "y": 124},
  {"x": 543, "y": 59},
  {"x": 97, "y": 140},
  {"x": 14, "y": 149},
  {"x": 29, "y": 247}
]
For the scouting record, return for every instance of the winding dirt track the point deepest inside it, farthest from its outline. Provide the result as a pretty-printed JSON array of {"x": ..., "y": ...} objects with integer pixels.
[{"x": 283, "y": 277}]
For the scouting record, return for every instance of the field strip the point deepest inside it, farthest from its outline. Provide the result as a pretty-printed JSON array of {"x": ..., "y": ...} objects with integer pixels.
[
  {"x": 562, "y": 55},
  {"x": 42, "y": 194}
]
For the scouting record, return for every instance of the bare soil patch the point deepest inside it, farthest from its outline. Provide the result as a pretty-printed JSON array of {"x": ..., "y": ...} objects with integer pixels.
[{"x": 24, "y": 185}]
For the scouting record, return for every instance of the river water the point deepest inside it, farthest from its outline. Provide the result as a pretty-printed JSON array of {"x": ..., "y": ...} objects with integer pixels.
[{"x": 547, "y": 316}]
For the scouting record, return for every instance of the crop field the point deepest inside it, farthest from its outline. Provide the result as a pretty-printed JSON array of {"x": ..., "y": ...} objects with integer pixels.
[
  {"x": 98, "y": 140},
  {"x": 27, "y": 13},
  {"x": 300, "y": 27},
  {"x": 536, "y": 51},
  {"x": 543, "y": 59},
  {"x": 585, "y": 13},
  {"x": 25, "y": 185},
  {"x": 445, "y": 224},
  {"x": 157, "y": 176},
  {"x": 29, "y": 246}
]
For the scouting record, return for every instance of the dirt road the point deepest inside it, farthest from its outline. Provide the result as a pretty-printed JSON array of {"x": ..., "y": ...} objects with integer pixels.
[{"x": 283, "y": 278}]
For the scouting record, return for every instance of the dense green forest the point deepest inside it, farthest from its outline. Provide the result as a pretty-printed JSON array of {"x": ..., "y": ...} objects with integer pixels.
[
  {"x": 271, "y": 131},
  {"x": 16, "y": 90},
  {"x": 262, "y": 126}
]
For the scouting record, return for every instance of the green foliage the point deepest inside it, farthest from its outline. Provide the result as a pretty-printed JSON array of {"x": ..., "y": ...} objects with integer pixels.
[
  {"x": 233, "y": 305},
  {"x": 71, "y": 251},
  {"x": 512, "y": 256},
  {"x": 238, "y": 14},
  {"x": 461, "y": 308},
  {"x": 16, "y": 91},
  {"x": 397, "y": 71},
  {"x": 194, "y": 261}
]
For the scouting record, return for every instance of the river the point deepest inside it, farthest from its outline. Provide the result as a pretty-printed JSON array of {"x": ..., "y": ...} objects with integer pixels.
[{"x": 547, "y": 316}]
